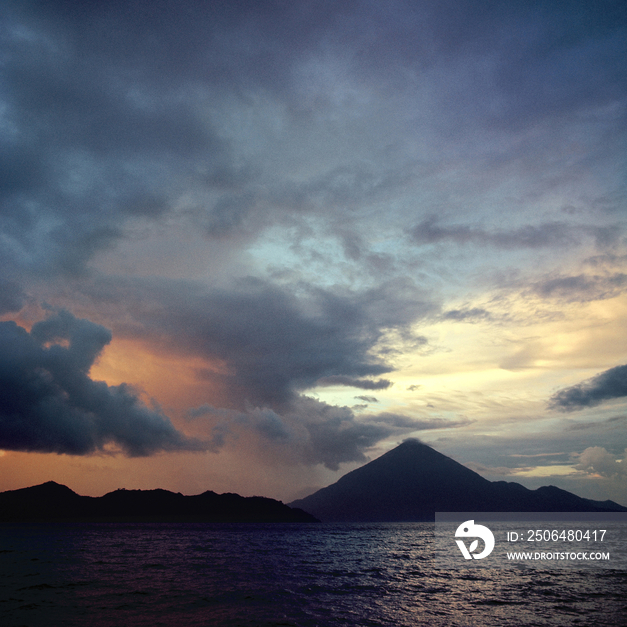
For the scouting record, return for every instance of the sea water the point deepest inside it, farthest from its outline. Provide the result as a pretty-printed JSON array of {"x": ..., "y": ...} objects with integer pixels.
[{"x": 280, "y": 574}]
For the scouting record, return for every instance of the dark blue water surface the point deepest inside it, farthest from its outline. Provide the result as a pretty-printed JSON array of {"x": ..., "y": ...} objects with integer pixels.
[{"x": 273, "y": 574}]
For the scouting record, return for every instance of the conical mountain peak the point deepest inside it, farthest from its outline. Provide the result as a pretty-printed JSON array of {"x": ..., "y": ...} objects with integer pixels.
[{"x": 413, "y": 481}]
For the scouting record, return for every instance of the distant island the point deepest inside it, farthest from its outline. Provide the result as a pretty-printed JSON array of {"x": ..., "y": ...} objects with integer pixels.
[
  {"x": 413, "y": 481},
  {"x": 52, "y": 502},
  {"x": 409, "y": 483}
]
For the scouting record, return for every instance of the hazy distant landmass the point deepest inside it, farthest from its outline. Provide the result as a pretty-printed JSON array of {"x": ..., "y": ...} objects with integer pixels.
[
  {"x": 413, "y": 481},
  {"x": 52, "y": 502},
  {"x": 409, "y": 483}
]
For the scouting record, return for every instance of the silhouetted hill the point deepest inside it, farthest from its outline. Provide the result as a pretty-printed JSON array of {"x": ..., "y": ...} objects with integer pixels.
[
  {"x": 413, "y": 481},
  {"x": 51, "y": 502}
]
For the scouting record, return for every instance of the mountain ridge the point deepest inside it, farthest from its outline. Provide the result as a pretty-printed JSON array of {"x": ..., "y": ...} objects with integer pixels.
[
  {"x": 413, "y": 481},
  {"x": 409, "y": 483},
  {"x": 54, "y": 502}
]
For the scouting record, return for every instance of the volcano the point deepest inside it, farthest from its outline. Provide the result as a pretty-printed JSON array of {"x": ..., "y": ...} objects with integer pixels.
[{"x": 413, "y": 481}]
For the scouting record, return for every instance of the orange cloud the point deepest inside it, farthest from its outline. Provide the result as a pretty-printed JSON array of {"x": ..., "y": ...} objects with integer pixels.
[{"x": 176, "y": 382}]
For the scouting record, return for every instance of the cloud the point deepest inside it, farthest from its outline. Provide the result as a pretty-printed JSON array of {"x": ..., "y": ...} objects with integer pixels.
[
  {"x": 596, "y": 460},
  {"x": 310, "y": 432},
  {"x": 91, "y": 138},
  {"x": 273, "y": 343},
  {"x": 48, "y": 403},
  {"x": 364, "y": 384},
  {"x": 272, "y": 346},
  {"x": 417, "y": 424},
  {"x": 114, "y": 112},
  {"x": 615, "y": 422},
  {"x": 316, "y": 143},
  {"x": 498, "y": 471},
  {"x": 605, "y": 386},
  {"x": 466, "y": 315},
  {"x": 582, "y": 71},
  {"x": 582, "y": 288},
  {"x": 11, "y": 296},
  {"x": 306, "y": 431},
  {"x": 334, "y": 435},
  {"x": 368, "y": 399},
  {"x": 548, "y": 235}
]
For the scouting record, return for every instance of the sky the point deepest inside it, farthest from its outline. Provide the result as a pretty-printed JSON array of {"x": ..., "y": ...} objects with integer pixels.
[{"x": 250, "y": 246}]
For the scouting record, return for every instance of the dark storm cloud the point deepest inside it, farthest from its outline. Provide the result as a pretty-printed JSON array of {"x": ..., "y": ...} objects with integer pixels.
[
  {"x": 364, "y": 384},
  {"x": 11, "y": 296},
  {"x": 107, "y": 104},
  {"x": 582, "y": 288},
  {"x": 314, "y": 432},
  {"x": 567, "y": 59},
  {"x": 335, "y": 436},
  {"x": 105, "y": 120},
  {"x": 334, "y": 194},
  {"x": 271, "y": 346},
  {"x": 466, "y": 315},
  {"x": 88, "y": 142},
  {"x": 605, "y": 386},
  {"x": 273, "y": 343},
  {"x": 238, "y": 116},
  {"x": 549, "y": 235},
  {"x": 306, "y": 430},
  {"x": 48, "y": 403},
  {"x": 523, "y": 63},
  {"x": 514, "y": 64}
]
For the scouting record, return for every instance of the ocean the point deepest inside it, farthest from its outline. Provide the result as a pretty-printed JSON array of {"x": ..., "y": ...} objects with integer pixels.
[{"x": 305, "y": 575}]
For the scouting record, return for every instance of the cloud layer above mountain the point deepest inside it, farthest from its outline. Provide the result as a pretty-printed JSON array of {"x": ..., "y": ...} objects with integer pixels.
[{"x": 310, "y": 229}]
